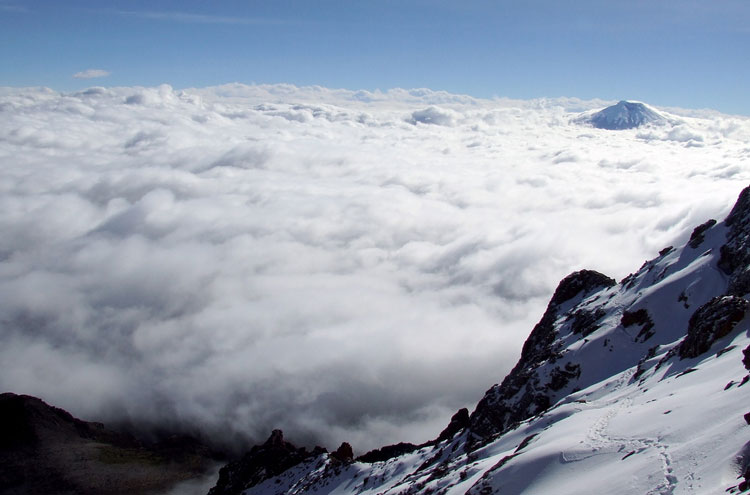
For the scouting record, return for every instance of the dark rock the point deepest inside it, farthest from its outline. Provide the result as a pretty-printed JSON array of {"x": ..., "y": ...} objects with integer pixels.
[
  {"x": 710, "y": 322},
  {"x": 46, "y": 450},
  {"x": 683, "y": 298},
  {"x": 746, "y": 357},
  {"x": 16, "y": 430},
  {"x": 742, "y": 461},
  {"x": 559, "y": 378},
  {"x": 262, "y": 462},
  {"x": 747, "y": 418},
  {"x": 629, "y": 281},
  {"x": 725, "y": 350},
  {"x": 740, "y": 210},
  {"x": 666, "y": 250},
  {"x": 524, "y": 443},
  {"x": 698, "y": 235},
  {"x": 431, "y": 461},
  {"x": 524, "y": 393},
  {"x": 344, "y": 453},
  {"x": 735, "y": 253},
  {"x": 387, "y": 452},
  {"x": 581, "y": 281},
  {"x": 459, "y": 422},
  {"x": 276, "y": 440},
  {"x": 537, "y": 347},
  {"x": 584, "y": 321},
  {"x": 639, "y": 317},
  {"x": 687, "y": 371},
  {"x": 640, "y": 368}
]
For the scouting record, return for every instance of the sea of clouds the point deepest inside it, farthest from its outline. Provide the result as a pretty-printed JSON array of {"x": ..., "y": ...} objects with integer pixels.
[{"x": 341, "y": 265}]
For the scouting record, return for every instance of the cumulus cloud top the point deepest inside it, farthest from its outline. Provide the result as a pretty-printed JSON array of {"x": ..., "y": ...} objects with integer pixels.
[
  {"x": 241, "y": 258},
  {"x": 91, "y": 74},
  {"x": 433, "y": 115}
]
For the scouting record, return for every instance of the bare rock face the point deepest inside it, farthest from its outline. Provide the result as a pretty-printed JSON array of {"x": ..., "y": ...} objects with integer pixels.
[
  {"x": 712, "y": 321},
  {"x": 585, "y": 322},
  {"x": 716, "y": 318},
  {"x": 742, "y": 461},
  {"x": 387, "y": 452},
  {"x": 560, "y": 376},
  {"x": 537, "y": 347},
  {"x": 699, "y": 233},
  {"x": 524, "y": 393},
  {"x": 459, "y": 422},
  {"x": 735, "y": 254},
  {"x": 585, "y": 281},
  {"x": 344, "y": 453},
  {"x": 45, "y": 450},
  {"x": 642, "y": 318},
  {"x": 265, "y": 461}
]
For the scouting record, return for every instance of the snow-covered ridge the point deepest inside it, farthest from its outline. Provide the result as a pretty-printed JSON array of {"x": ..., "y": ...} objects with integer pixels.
[{"x": 645, "y": 378}]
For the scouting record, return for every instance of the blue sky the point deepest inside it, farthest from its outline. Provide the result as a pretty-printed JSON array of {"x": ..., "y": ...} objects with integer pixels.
[{"x": 686, "y": 53}]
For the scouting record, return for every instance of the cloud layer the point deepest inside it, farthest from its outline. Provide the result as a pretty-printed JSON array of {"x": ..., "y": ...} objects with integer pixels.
[{"x": 342, "y": 265}]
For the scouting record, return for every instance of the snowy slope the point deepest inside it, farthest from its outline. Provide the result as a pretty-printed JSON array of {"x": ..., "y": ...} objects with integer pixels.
[{"x": 630, "y": 387}]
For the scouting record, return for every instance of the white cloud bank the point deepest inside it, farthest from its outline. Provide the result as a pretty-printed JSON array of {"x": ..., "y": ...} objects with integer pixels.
[
  {"x": 91, "y": 74},
  {"x": 236, "y": 259}
]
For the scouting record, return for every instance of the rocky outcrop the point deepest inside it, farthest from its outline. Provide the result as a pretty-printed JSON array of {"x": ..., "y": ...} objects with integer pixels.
[
  {"x": 744, "y": 485},
  {"x": 27, "y": 421},
  {"x": 459, "y": 422},
  {"x": 560, "y": 377},
  {"x": 46, "y": 450},
  {"x": 699, "y": 233},
  {"x": 344, "y": 453},
  {"x": 584, "y": 322},
  {"x": 262, "y": 462},
  {"x": 639, "y": 317},
  {"x": 387, "y": 452},
  {"x": 524, "y": 393},
  {"x": 583, "y": 281},
  {"x": 735, "y": 254},
  {"x": 710, "y": 322},
  {"x": 742, "y": 462},
  {"x": 538, "y": 347}
]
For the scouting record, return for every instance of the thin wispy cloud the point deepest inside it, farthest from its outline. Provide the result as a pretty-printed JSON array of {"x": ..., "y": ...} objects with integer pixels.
[
  {"x": 185, "y": 17},
  {"x": 91, "y": 74},
  {"x": 9, "y": 7}
]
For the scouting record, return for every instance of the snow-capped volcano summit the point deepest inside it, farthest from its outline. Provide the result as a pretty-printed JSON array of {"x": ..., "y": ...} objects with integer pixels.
[{"x": 624, "y": 115}]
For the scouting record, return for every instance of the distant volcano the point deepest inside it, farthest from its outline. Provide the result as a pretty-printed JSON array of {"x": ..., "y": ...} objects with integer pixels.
[{"x": 624, "y": 115}]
